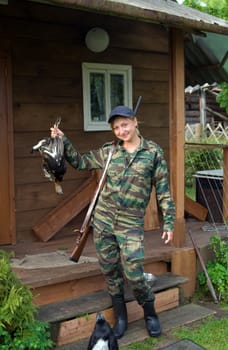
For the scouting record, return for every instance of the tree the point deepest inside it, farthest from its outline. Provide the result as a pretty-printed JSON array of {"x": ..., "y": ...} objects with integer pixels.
[{"x": 218, "y": 8}]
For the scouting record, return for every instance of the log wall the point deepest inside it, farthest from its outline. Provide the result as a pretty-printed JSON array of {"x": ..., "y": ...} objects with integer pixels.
[{"x": 47, "y": 47}]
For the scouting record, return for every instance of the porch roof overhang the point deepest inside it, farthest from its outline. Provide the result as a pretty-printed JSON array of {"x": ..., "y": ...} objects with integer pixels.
[{"x": 166, "y": 12}]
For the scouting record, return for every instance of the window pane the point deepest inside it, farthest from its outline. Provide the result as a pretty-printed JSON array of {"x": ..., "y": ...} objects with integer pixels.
[
  {"x": 97, "y": 96},
  {"x": 117, "y": 89}
]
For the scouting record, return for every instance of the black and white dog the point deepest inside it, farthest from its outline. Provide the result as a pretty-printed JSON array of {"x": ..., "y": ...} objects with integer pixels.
[{"x": 102, "y": 337}]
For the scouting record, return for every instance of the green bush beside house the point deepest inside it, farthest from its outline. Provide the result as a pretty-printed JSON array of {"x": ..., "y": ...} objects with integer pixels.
[{"x": 19, "y": 330}]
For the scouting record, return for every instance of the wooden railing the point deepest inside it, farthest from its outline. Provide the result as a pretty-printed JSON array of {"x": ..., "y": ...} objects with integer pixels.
[{"x": 196, "y": 132}]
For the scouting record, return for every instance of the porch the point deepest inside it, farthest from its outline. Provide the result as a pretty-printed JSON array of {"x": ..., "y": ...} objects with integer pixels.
[
  {"x": 67, "y": 293},
  {"x": 159, "y": 259}
]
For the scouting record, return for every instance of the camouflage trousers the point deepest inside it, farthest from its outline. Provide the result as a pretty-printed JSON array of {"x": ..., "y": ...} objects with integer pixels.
[{"x": 120, "y": 250}]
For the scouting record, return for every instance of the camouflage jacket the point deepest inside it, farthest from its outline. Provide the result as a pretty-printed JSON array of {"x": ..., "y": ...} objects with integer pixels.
[{"x": 130, "y": 178}]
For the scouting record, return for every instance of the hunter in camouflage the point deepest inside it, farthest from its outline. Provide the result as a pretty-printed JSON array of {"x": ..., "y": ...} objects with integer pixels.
[{"x": 118, "y": 216}]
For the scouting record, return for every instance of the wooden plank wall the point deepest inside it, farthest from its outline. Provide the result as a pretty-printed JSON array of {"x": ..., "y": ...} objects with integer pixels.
[
  {"x": 192, "y": 109},
  {"x": 47, "y": 48}
]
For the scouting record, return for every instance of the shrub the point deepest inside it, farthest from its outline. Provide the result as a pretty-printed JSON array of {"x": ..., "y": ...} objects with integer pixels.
[
  {"x": 222, "y": 97},
  {"x": 217, "y": 269},
  {"x": 196, "y": 160},
  {"x": 19, "y": 330}
]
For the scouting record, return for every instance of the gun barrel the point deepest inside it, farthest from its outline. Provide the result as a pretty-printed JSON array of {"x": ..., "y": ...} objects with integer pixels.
[{"x": 137, "y": 105}]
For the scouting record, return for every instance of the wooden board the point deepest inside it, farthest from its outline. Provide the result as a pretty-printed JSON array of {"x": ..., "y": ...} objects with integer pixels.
[
  {"x": 65, "y": 211},
  {"x": 177, "y": 131},
  {"x": 164, "y": 301},
  {"x": 56, "y": 284},
  {"x": 195, "y": 209},
  {"x": 100, "y": 300},
  {"x": 79, "y": 328},
  {"x": 7, "y": 195},
  {"x": 75, "y": 288},
  {"x": 187, "y": 269}
]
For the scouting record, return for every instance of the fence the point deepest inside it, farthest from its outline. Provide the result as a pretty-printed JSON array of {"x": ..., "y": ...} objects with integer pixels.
[{"x": 196, "y": 133}]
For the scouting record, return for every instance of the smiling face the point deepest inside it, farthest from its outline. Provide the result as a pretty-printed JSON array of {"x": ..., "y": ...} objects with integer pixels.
[{"x": 125, "y": 129}]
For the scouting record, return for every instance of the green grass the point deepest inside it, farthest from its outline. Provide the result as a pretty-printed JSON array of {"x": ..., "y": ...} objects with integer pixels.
[{"x": 211, "y": 333}]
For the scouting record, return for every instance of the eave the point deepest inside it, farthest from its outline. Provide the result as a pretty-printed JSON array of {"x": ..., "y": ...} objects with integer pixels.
[{"x": 167, "y": 13}]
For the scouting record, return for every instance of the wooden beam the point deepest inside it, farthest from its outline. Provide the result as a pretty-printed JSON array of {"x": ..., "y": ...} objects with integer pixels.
[
  {"x": 195, "y": 209},
  {"x": 177, "y": 131},
  {"x": 57, "y": 218},
  {"x": 7, "y": 192},
  {"x": 195, "y": 145},
  {"x": 186, "y": 269}
]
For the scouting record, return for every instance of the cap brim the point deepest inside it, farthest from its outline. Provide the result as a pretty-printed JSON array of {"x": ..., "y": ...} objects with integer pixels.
[{"x": 119, "y": 115}]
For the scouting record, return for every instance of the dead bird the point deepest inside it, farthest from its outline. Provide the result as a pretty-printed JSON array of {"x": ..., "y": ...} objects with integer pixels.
[
  {"x": 53, "y": 161},
  {"x": 102, "y": 337}
]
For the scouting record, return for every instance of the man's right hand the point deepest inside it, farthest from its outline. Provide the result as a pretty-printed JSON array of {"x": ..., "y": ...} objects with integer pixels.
[{"x": 55, "y": 131}]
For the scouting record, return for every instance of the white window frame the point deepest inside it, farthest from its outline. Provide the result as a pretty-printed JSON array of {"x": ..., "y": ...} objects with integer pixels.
[{"x": 107, "y": 70}]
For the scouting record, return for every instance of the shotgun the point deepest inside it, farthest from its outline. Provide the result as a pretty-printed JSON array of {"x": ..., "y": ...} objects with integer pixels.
[
  {"x": 80, "y": 242},
  {"x": 209, "y": 284},
  {"x": 85, "y": 228}
]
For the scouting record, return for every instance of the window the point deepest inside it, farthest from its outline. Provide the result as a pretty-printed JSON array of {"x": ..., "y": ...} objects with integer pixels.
[{"x": 104, "y": 87}]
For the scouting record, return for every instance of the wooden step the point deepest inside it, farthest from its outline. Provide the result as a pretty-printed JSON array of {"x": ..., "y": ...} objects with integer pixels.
[
  {"x": 73, "y": 319},
  {"x": 51, "y": 285},
  {"x": 170, "y": 319},
  {"x": 86, "y": 304}
]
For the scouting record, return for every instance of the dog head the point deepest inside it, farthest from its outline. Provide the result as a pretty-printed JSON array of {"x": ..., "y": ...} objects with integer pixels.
[{"x": 102, "y": 337}]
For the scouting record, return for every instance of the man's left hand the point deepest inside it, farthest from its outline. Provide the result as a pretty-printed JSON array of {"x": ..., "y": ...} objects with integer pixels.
[{"x": 167, "y": 236}]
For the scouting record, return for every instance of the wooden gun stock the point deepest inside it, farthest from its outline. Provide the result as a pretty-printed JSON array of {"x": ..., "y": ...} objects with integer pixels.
[{"x": 80, "y": 245}]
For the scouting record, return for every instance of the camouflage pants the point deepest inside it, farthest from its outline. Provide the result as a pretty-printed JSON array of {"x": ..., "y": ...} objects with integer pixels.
[{"x": 120, "y": 251}]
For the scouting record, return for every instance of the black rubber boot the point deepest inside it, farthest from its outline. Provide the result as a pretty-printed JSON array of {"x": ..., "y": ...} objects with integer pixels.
[
  {"x": 120, "y": 312},
  {"x": 151, "y": 319}
]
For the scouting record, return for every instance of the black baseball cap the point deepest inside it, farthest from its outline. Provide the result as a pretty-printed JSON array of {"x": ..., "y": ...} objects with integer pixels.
[{"x": 121, "y": 111}]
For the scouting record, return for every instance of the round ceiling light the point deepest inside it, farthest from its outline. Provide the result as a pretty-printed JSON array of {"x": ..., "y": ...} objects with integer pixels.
[{"x": 97, "y": 39}]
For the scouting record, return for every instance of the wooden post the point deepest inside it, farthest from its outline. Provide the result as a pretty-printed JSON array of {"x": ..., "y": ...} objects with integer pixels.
[
  {"x": 184, "y": 264},
  {"x": 177, "y": 131},
  {"x": 198, "y": 132},
  {"x": 225, "y": 183},
  {"x": 203, "y": 111},
  {"x": 7, "y": 183}
]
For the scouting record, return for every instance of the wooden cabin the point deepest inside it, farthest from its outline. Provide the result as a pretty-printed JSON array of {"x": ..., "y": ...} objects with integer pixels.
[
  {"x": 201, "y": 106},
  {"x": 45, "y": 67},
  {"x": 43, "y": 51}
]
